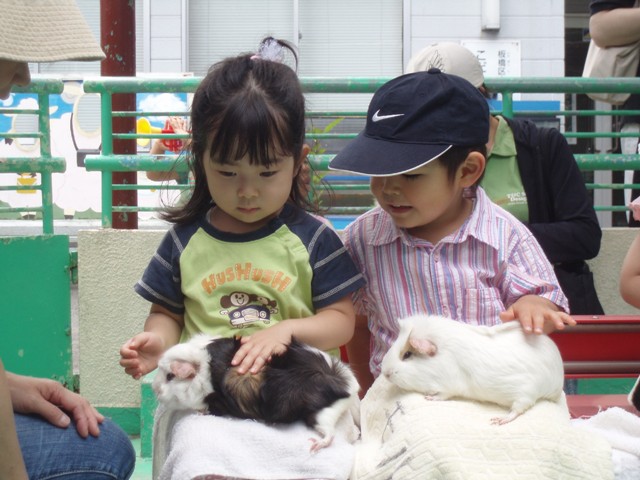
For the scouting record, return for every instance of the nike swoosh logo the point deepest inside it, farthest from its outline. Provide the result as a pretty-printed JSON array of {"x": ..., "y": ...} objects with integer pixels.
[{"x": 377, "y": 118}]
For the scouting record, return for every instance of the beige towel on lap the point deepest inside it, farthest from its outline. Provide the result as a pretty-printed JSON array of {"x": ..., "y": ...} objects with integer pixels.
[{"x": 405, "y": 436}]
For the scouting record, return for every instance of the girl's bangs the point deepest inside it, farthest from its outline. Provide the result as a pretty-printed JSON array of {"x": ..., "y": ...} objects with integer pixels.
[
  {"x": 232, "y": 149},
  {"x": 251, "y": 129}
]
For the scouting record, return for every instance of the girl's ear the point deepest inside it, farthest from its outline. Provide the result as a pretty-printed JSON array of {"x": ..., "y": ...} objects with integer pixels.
[
  {"x": 471, "y": 169},
  {"x": 306, "y": 149},
  {"x": 302, "y": 163}
]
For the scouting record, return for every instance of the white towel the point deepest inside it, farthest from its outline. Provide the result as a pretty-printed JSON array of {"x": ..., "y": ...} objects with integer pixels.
[
  {"x": 622, "y": 429},
  {"x": 188, "y": 445}
]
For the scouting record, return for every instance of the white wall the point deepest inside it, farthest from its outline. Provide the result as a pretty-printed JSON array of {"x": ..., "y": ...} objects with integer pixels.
[
  {"x": 538, "y": 25},
  {"x": 109, "y": 311},
  {"x": 166, "y": 38}
]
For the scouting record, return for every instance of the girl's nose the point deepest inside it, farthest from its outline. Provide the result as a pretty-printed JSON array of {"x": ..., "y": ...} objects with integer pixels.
[{"x": 247, "y": 189}]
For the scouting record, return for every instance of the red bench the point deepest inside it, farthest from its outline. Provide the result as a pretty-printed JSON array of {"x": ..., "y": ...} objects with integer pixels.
[{"x": 606, "y": 346}]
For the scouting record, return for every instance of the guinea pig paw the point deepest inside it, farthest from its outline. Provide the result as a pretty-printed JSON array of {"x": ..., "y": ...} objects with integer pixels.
[
  {"x": 511, "y": 416},
  {"x": 433, "y": 398},
  {"x": 317, "y": 445}
]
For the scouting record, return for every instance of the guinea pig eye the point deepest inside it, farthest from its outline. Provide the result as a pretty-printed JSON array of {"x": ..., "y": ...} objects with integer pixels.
[
  {"x": 170, "y": 376},
  {"x": 407, "y": 355}
]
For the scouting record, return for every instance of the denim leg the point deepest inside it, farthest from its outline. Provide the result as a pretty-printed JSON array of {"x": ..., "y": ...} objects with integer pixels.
[{"x": 55, "y": 453}]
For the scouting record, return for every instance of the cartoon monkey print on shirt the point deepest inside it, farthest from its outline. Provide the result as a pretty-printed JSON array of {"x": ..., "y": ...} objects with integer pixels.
[{"x": 244, "y": 308}]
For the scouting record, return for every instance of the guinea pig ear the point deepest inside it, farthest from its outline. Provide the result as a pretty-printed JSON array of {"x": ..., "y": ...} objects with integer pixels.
[
  {"x": 184, "y": 370},
  {"x": 423, "y": 346}
]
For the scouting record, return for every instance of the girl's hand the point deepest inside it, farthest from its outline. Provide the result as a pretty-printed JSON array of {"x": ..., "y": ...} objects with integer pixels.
[
  {"x": 140, "y": 354},
  {"x": 50, "y": 400},
  {"x": 537, "y": 314},
  {"x": 256, "y": 349}
]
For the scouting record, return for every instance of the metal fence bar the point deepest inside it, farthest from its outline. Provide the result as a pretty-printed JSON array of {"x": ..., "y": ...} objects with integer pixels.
[{"x": 44, "y": 164}]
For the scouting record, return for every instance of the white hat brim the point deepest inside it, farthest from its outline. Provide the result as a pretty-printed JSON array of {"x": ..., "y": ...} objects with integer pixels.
[{"x": 45, "y": 31}]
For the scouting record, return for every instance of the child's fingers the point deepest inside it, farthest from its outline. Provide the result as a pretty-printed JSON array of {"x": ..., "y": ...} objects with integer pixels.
[
  {"x": 258, "y": 364},
  {"x": 131, "y": 367},
  {"x": 128, "y": 354},
  {"x": 249, "y": 362},
  {"x": 129, "y": 349},
  {"x": 537, "y": 323},
  {"x": 508, "y": 315},
  {"x": 561, "y": 319},
  {"x": 133, "y": 372},
  {"x": 250, "y": 359}
]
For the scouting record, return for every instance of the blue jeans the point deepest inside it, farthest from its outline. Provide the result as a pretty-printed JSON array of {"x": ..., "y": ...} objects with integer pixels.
[{"x": 57, "y": 453}]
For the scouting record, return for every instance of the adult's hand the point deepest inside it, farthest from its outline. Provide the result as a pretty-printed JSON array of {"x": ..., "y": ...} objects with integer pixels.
[{"x": 54, "y": 403}]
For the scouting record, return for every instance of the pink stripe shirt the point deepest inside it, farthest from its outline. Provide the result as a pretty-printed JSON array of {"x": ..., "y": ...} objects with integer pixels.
[{"x": 471, "y": 275}]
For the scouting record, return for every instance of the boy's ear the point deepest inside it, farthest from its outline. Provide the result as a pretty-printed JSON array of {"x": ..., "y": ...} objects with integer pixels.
[{"x": 472, "y": 169}]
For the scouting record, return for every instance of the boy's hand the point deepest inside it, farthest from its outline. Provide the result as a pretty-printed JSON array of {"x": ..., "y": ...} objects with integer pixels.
[
  {"x": 140, "y": 354},
  {"x": 256, "y": 349},
  {"x": 537, "y": 314}
]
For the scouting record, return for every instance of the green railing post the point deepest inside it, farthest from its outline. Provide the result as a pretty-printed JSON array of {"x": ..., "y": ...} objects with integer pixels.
[
  {"x": 45, "y": 152},
  {"x": 507, "y": 104},
  {"x": 44, "y": 164},
  {"x": 107, "y": 196}
]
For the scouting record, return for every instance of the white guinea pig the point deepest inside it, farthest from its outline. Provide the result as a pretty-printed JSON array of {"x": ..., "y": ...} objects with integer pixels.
[{"x": 444, "y": 358}]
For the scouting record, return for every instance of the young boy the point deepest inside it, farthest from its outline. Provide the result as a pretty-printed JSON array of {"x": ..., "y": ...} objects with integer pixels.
[{"x": 436, "y": 244}]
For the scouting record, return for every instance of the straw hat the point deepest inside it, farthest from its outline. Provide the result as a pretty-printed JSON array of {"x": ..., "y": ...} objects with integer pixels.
[
  {"x": 450, "y": 58},
  {"x": 45, "y": 31}
]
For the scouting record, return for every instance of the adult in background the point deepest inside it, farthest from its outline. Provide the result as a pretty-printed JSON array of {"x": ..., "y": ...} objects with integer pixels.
[
  {"x": 47, "y": 431},
  {"x": 531, "y": 172},
  {"x": 616, "y": 23}
]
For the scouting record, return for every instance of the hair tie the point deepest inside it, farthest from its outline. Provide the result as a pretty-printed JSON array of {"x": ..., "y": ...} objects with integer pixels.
[{"x": 270, "y": 49}]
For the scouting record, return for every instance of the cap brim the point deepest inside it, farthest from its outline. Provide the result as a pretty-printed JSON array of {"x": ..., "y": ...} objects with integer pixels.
[
  {"x": 45, "y": 31},
  {"x": 380, "y": 158}
]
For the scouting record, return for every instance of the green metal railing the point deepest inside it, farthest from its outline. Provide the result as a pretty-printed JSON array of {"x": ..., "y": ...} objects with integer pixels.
[
  {"x": 108, "y": 163},
  {"x": 43, "y": 165}
]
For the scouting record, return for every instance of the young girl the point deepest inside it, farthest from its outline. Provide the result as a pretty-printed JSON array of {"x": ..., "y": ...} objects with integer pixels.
[{"x": 243, "y": 257}]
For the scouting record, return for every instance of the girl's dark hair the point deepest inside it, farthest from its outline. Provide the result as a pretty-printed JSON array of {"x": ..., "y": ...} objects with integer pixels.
[
  {"x": 246, "y": 105},
  {"x": 455, "y": 156}
]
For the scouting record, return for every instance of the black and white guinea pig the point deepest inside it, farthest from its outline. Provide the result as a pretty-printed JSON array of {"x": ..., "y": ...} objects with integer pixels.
[
  {"x": 302, "y": 384},
  {"x": 444, "y": 358}
]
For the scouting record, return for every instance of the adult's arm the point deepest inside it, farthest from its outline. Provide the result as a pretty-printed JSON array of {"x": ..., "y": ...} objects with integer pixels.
[
  {"x": 614, "y": 26},
  {"x": 11, "y": 463}
]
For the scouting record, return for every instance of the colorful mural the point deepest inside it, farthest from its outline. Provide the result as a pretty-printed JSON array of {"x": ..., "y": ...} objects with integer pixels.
[{"x": 75, "y": 133}]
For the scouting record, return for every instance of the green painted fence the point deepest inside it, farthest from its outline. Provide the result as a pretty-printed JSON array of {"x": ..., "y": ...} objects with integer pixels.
[{"x": 107, "y": 162}]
